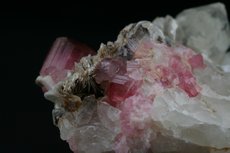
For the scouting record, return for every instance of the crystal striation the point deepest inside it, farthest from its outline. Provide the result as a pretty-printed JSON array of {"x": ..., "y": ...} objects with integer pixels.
[{"x": 162, "y": 86}]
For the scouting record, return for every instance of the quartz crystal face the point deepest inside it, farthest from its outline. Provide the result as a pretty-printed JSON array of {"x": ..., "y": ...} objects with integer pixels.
[{"x": 162, "y": 86}]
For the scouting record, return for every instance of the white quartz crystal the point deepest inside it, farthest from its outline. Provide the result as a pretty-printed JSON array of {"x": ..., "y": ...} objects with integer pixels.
[{"x": 205, "y": 29}]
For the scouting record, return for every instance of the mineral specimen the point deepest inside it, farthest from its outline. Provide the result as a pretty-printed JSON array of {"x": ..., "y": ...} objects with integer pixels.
[{"x": 162, "y": 86}]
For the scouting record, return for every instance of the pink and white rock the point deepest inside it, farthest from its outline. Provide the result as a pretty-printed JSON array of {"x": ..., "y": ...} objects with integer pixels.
[
  {"x": 145, "y": 92},
  {"x": 60, "y": 60}
]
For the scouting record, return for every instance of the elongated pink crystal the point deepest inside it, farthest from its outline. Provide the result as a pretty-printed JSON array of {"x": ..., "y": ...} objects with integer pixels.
[{"x": 61, "y": 58}]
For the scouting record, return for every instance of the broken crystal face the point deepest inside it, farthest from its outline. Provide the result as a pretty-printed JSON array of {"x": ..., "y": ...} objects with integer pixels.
[
  {"x": 162, "y": 86},
  {"x": 206, "y": 30}
]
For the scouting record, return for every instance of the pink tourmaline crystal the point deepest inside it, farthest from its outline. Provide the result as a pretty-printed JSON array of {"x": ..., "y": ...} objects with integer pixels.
[
  {"x": 196, "y": 61},
  {"x": 61, "y": 58},
  {"x": 119, "y": 92}
]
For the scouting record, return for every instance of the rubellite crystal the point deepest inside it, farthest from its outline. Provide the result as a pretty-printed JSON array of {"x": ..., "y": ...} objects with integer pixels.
[
  {"x": 60, "y": 60},
  {"x": 162, "y": 86}
]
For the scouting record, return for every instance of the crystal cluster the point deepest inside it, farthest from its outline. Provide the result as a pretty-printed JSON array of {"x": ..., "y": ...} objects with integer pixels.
[{"x": 162, "y": 86}]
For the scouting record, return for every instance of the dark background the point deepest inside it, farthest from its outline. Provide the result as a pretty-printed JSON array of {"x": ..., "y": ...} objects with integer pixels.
[{"x": 27, "y": 32}]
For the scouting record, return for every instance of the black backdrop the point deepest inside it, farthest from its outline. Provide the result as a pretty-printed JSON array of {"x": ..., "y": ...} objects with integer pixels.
[{"x": 27, "y": 32}]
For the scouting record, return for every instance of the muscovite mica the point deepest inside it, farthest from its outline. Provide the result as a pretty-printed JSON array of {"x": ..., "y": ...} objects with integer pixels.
[{"x": 162, "y": 86}]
